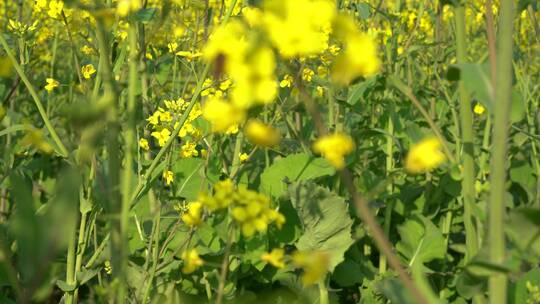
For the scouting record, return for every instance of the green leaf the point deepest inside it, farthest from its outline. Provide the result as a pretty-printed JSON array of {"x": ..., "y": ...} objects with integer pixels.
[
  {"x": 468, "y": 285},
  {"x": 187, "y": 178},
  {"x": 517, "y": 111},
  {"x": 356, "y": 92},
  {"x": 475, "y": 80},
  {"x": 349, "y": 273},
  {"x": 86, "y": 275},
  {"x": 293, "y": 168},
  {"x": 523, "y": 229},
  {"x": 421, "y": 241},
  {"x": 146, "y": 14},
  {"x": 325, "y": 220},
  {"x": 520, "y": 293},
  {"x": 64, "y": 286}
]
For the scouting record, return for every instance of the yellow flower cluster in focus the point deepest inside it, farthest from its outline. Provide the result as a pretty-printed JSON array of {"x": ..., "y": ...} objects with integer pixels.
[{"x": 251, "y": 210}]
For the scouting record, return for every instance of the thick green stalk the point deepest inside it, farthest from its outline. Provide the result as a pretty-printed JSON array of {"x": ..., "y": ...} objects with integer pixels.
[
  {"x": 129, "y": 143},
  {"x": 70, "y": 268},
  {"x": 110, "y": 98},
  {"x": 503, "y": 97},
  {"x": 63, "y": 151},
  {"x": 467, "y": 159}
]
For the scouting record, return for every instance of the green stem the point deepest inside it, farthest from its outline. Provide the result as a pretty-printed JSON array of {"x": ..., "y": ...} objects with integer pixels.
[
  {"x": 63, "y": 151},
  {"x": 110, "y": 98},
  {"x": 323, "y": 293},
  {"x": 503, "y": 97},
  {"x": 389, "y": 169},
  {"x": 237, "y": 150},
  {"x": 224, "y": 267},
  {"x": 70, "y": 268},
  {"x": 467, "y": 159}
]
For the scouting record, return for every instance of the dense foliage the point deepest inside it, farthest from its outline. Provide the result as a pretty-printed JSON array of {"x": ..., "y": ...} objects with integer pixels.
[{"x": 270, "y": 151}]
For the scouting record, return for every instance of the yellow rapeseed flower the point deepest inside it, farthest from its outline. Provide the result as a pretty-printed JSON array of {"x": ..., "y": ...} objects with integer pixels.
[
  {"x": 425, "y": 156},
  {"x": 189, "y": 149},
  {"x": 221, "y": 114},
  {"x": 315, "y": 265},
  {"x": 479, "y": 109},
  {"x": 274, "y": 257},
  {"x": 287, "y": 81},
  {"x": 124, "y": 7},
  {"x": 190, "y": 56},
  {"x": 162, "y": 136},
  {"x": 88, "y": 70},
  {"x": 334, "y": 148},
  {"x": 307, "y": 74},
  {"x": 243, "y": 157},
  {"x": 55, "y": 8},
  {"x": 168, "y": 176},
  {"x": 261, "y": 134},
  {"x": 192, "y": 261},
  {"x": 143, "y": 143},
  {"x": 360, "y": 56},
  {"x": 300, "y": 27},
  {"x": 51, "y": 84},
  {"x": 192, "y": 217}
]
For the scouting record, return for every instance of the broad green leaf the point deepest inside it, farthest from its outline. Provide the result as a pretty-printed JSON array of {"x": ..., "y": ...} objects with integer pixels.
[
  {"x": 293, "y": 168},
  {"x": 476, "y": 80},
  {"x": 468, "y": 285},
  {"x": 421, "y": 241},
  {"x": 520, "y": 293},
  {"x": 325, "y": 220},
  {"x": 187, "y": 177},
  {"x": 523, "y": 229},
  {"x": 349, "y": 273}
]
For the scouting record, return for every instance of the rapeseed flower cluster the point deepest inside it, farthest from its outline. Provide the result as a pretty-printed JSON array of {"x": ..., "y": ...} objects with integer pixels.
[
  {"x": 246, "y": 51},
  {"x": 165, "y": 119},
  {"x": 251, "y": 211}
]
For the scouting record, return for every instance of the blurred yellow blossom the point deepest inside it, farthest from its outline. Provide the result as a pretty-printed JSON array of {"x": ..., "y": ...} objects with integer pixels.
[
  {"x": 243, "y": 157},
  {"x": 425, "y": 156},
  {"x": 168, "y": 176},
  {"x": 274, "y": 257},
  {"x": 300, "y": 27},
  {"x": 192, "y": 217},
  {"x": 261, "y": 134},
  {"x": 315, "y": 265},
  {"x": 143, "y": 143},
  {"x": 479, "y": 109},
  {"x": 192, "y": 261},
  {"x": 221, "y": 114},
  {"x": 51, "y": 84},
  {"x": 334, "y": 148}
]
